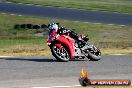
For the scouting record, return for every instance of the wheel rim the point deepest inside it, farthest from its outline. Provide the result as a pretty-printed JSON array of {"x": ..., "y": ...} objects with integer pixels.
[
  {"x": 61, "y": 53},
  {"x": 94, "y": 50}
]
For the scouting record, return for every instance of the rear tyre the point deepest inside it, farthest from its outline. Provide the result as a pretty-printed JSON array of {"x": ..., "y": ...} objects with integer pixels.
[
  {"x": 61, "y": 54},
  {"x": 94, "y": 54}
]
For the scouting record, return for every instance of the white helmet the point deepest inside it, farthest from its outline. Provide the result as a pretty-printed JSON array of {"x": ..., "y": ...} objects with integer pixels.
[{"x": 53, "y": 26}]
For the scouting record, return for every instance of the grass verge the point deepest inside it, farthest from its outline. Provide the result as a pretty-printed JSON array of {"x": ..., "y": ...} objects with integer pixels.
[
  {"x": 123, "y": 6},
  {"x": 22, "y": 42}
]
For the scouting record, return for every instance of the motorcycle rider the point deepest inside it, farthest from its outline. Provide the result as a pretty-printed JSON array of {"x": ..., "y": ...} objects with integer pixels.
[{"x": 54, "y": 29}]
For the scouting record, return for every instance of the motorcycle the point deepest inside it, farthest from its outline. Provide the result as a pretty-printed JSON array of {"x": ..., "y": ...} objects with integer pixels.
[{"x": 65, "y": 48}]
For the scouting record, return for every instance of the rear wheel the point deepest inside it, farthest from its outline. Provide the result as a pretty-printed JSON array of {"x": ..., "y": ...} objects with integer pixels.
[
  {"x": 94, "y": 53},
  {"x": 61, "y": 54}
]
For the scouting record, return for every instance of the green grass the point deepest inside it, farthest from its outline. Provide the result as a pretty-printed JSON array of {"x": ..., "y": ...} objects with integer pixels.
[
  {"x": 124, "y": 6},
  {"x": 111, "y": 39}
]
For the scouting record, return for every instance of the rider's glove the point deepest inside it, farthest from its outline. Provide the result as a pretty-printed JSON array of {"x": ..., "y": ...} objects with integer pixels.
[{"x": 48, "y": 42}]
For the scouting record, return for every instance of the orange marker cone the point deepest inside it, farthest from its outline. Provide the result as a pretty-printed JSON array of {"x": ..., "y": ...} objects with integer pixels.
[{"x": 84, "y": 74}]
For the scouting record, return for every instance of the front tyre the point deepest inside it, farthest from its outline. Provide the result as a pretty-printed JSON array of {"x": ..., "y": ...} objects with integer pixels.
[
  {"x": 61, "y": 54},
  {"x": 94, "y": 54}
]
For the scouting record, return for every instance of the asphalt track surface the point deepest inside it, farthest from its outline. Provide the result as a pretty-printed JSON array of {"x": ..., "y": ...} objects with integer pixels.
[
  {"x": 65, "y": 13},
  {"x": 30, "y": 72}
]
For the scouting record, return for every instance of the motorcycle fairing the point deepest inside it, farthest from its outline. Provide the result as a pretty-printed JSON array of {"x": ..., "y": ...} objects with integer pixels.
[{"x": 69, "y": 42}]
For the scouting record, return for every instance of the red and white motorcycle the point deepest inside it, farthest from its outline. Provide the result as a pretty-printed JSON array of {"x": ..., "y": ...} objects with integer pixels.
[{"x": 65, "y": 48}]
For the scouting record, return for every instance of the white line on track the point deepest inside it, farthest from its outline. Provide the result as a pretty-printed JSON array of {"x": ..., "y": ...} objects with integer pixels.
[
  {"x": 54, "y": 87},
  {"x": 41, "y": 87},
  {"x": 9, "y": 2},
  {"x": 15, "y": 14},
  {"x": 19, "y": 15},
  {"x": 6, "y": 56},
  {"x": 3, "y": 13},
  {"x": 122, "y": 25},
  {"x": 97, "y": 23},
  {"x": 110, "y": 12},
  {"x": 29, "y": 4},
  {"x": 12, "y": 14},
  {"x": 76, "y": 85},
  {"x": 21, "y": 3},
  {"x": 60, "y": 86}
]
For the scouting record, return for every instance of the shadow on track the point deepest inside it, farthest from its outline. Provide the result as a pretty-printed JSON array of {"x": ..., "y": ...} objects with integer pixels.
[
  {"x": 40, "y": 59},
  {"x": 35, "y": 60},
  {"x": 44, "y": 59},
  {"x": 29, "y": 59}
]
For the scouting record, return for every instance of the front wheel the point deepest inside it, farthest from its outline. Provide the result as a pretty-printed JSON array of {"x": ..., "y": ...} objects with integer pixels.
[
  {"x": 94, "y": 53},
  {"x": 60, "y": 53}
]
